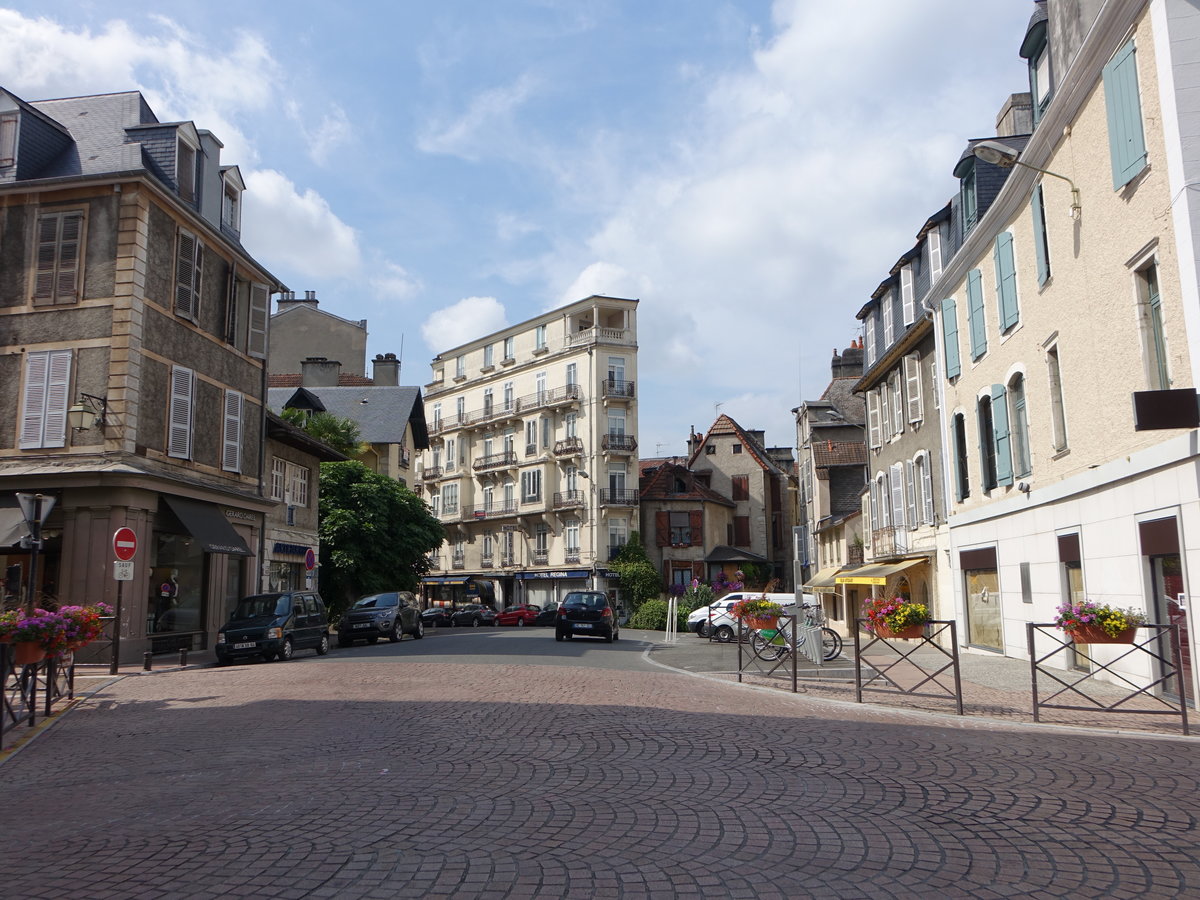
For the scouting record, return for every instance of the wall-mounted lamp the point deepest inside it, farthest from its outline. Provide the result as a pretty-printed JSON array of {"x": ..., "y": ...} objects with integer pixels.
[
  {"x": 582, "y": 474},
  {"x": 997, "y": 154},
  {"x": 88, "y": 405},
  {"x": 1024, "y": 487}
]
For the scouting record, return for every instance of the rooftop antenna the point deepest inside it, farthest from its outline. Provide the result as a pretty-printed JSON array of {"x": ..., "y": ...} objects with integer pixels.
[{"x": 717, "y": 408}]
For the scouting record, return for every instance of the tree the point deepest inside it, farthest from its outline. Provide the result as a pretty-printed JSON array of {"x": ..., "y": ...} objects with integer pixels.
[
  {"x": 635, "y": 571},
  {"x": 342, "y": 435},
  {"x": 376, "y": 534}
]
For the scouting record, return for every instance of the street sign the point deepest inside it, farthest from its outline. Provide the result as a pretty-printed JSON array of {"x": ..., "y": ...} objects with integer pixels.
[
  {"x": 122, "y": 570},
  {"x": 310, "y": 559},
  {"x": 124, "y": 544}
]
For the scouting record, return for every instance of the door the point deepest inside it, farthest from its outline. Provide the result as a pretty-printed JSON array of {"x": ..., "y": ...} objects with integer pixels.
[
  {"x": 983, "y": 609},
  {"x": 1166, "y": 575}
]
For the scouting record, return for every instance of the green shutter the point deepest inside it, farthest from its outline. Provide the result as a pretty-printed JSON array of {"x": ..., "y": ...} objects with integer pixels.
[
  {"x": 1037, "y": 207},
  {"x": 950, "y": 338},
  {"x": 1126, "y": 141},
  {"x": 1006, "y": 281},
  {"x": 1001, "y": 439},
  {"x": 975, "y": 322}
]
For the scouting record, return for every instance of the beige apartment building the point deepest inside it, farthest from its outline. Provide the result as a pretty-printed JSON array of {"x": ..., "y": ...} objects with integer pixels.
[{"x": 532, "y": 465}]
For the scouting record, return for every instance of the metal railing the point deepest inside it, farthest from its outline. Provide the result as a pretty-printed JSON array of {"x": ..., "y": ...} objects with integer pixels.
[
  {"x": 568, "y": 446},
  {"x": 613, "y": 387},
  {"x": 568, "y": 499},
  {"x": 431, "y": 473},
  {"x": 459, "y": 561},
  {"x": 540, "y": 557},
  {"x": 889, "y": 540},
  {"x": 495, "y": 461},
  {"x": 609, "y": 497},
  {"x": 619, "y": 443},
  {"x": 494, "y": 509}
]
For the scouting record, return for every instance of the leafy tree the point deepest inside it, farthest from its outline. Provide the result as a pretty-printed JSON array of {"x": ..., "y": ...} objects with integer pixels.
[
  {"x": 342, "y": 435},
  {"x": 376, "y": 534},
  {"x": 635, "y": 571}
]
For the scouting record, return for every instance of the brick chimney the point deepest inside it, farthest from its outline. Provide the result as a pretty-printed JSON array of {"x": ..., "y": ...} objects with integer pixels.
[
  {"x": 317, "y": 371},
  {"x": 1015, "y": 116},
  {"x": 385, "y": 370},
  {"x": 848, "y": 363}
]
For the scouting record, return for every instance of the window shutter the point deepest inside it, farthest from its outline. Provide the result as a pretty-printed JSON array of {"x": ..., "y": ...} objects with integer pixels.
[
  {"x": 8, "y": 139},
  {"x": 887, "y": 313},
  {"x": 906, "y": 294},
  {"x": 56, "y": 279},
  {"x": 927, "y": 488},
  {"x": 975, "y": 320},
  {"x": 33, "y": 414},
  {"x": 885, "y": 412},
  {"x": 1126, "y": 141},
  {"x": 231, "y": 456},
  {"x": 58, "y": 393},
  {"x": 873, "y": 418},
  {"x": 935, "y": 255},
  {"x": 259, "y": 303},
  {"x": 662, "y": 528},
  {"x": 897, "y": 403},
  {"x": 1006, "y": 281},
  {"x": 950, "y": 338},
  {"x": 885, "y": 517},
  {"x": 910, "y": 486},
  {"x": 874, "y": 504},
  {"x": 869, "y": 334},
  {"x": 696, "y": 525},
  {"x": 1001, "y": 437},
  {"x": 47, "y": 258},
  {"x": 897, "y": 481},
  {"x": 179, "y": 441},
  {"x": 185, "y": 275},
  {"x": 44, "y": 405},
  {"x": 1041, "y": 246},
  {"x": 912, "y": 378}
]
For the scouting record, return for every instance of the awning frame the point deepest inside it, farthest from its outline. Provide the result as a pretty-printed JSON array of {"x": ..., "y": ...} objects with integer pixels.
[{"x": 877, "y": 574}]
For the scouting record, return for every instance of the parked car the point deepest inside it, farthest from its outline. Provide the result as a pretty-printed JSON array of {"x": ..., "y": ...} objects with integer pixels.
[
  {"x": 474, "y": 615},
  {"x": 438, "y": 617},
  {"x": 392, "y": 614},
  {"x": 526, "y": 614},
  {"x": 718, "y": 620},
  {"x": 274, "y": 625},
  {"x": 548, "y": 615},
  {"x": 587, "y": 613}
]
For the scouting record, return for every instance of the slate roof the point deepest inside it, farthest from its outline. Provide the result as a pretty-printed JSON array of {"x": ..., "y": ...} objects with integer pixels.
[
  {"x": 98, "y": 126},
  {"x": 839, "y": 394},
  {"x": 381, "y": 419}
]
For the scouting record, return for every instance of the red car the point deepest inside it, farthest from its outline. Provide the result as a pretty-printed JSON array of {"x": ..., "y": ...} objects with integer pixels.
[{"x": 519, "y": 615}]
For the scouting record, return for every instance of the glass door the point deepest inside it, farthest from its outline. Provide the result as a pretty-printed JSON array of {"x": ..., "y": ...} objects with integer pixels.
[
  {"x": 1166, "y": 573},
  {"x": 983, "y": 608}
]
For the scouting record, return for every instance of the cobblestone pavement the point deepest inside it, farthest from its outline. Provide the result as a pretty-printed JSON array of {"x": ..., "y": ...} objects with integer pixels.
[{"x": 414, "y": 776}]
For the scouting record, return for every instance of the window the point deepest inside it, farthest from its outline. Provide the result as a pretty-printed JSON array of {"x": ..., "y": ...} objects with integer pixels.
[
  {"x": 450, "y": 457},
  {"x": 616, "y": 421},
  {"x": 923, "y": 482},
  {"x": 741, "y": 531},
  {"x": 231, "y": 450},
  {"x": 539, "y": 337},
  {"x": 907, "y": 295},
  {"x": 488, "y": 352},
  {"x": 1019, "y": 426},
  {"x": 572, "y": 374},
  {"x": 46, "y": 398},
  {"x": 541, "y": 540},
  {"x": 297, "y": 485},
  {"x": 737, "y": 448},
  {"x": 179, "y": 440},
  {"x": 531, "y": 486},
  {"x": 874, "y": 494},
  {"x": 571, "y": 424},
  {"x": 967, "y": 202},
  {"x": 59, "y": 242},
  {"x": 450, "y": 499},
  {"x": 1006, "y": 281},
  {"x": 231, "y": 207},
  {"x": 962, "y": 481},
  {"x": 189, "y": 263},
  {"x": 681, "y": 528},
  {"x": 8, "y": 138},
  {"x": 185, "y": 170},
  {"x": 881, "y": 493},
  {"x": 278, "y": 477},
  {"x": 571, "y": 530},
  {"x": 546, "y": 428},
  {"x": 260, "y": 301},
  {"x": 508, "y": 348},
  {"x": 1150, "y": 323},
  {"x": 741, "y": 487},
  {"x": 976, "y": 324},
  {"x": 896, "y": 480},
  {"x": 1058, "y": 416},
  {"x": 460, "y": 367},
  {"x": 950, "y": 338},
  {"x": 995, "y": 439},
  {"x": 1037, "y": 51},
  {"x": 710, "y": 450},
  {"x": 488, "y": 546},
  {"x": 488, "y": 402},
  {"x": 531, "y": 435},
  {"x": 910, "y": 494},
  {"x": 539, "y": 386},
  {"x": 437, "y": 416},
  {"x": 1041, "y": 244},
  {"x": 460, "y": 410},
  {"x": 618, "y": 534},
  {"x": 509, "y": 396},
  {"x": 885, "y": 412},
  {"x": 912, "y": 382},
  {"x": 1126, "y": 141},
  {"x": 885, "y": 310}
]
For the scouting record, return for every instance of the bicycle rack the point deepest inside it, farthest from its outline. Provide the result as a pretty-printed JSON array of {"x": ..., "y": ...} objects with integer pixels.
[
  {"x": 905, "y": 653},
  {"x": 760, "y": 666},
  {"x": 1170, "y": 666}
]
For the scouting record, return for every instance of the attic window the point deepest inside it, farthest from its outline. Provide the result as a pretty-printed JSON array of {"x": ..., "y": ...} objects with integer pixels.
[
  {"x": 968, "y": 201},
  {"x": 231, "y": 207},
  {"x": 8, "y": 139},
  {"x": 737, "y": 448},
  {"x": 185, "y": 170}
]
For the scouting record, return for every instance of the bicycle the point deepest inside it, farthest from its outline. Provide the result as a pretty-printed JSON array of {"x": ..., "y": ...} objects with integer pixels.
[{"x": 770, "y": 645}]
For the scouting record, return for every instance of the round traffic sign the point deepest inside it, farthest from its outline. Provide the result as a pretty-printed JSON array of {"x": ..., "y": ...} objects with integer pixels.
[
  {"x": 124, "y": 544},
  {"x": 310, "y": 559}
]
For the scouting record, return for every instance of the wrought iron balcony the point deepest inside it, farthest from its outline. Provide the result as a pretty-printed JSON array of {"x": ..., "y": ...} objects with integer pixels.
[
  {"x": 572, "y": 556},
  {"x": 540, "y": 557},
  {"x": 431, "y": 473},
  {"x": 619, "y": 443},
  {"x": 610, "y": 497},
  {"x": 569, "y": 499},
  {"x": 485, "y": 562},
  {"x": 890, "y": 540},
  {"x": 495, "y": 461},
  {"x": 459, "y": 561},
  {"x": 618, "y": 389},
  {"x": 571, "y": 446},
  {"x": 495, "y": 509}
]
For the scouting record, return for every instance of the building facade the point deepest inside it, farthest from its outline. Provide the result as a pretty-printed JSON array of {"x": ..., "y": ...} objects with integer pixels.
[
  {"x": 301, "y": 330},
  {"x": 682, "y": 520},
  {"x": 533, "y": 465}
]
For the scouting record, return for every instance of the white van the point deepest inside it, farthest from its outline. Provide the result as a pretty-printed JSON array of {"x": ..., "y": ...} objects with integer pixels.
[{"x": 717, "y": 620}]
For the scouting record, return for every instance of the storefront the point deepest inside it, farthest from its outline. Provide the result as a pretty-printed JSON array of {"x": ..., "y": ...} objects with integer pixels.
[{"x": 908, "y": 578}]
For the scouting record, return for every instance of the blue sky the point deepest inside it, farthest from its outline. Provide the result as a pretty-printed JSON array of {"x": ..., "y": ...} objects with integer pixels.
[{"x": 749, "y": 170}]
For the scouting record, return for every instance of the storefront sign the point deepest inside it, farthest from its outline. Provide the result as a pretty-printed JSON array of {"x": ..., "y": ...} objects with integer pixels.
[{"x": 240, "y": 514}]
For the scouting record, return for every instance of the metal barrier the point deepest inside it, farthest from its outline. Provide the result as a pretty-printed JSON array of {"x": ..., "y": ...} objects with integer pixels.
[
  {"x": 911, "y": 668},
  {"x": 1168, "y": 663},
  {"x": 757, "y": 665},
  {"x": 54, "y": 677}
]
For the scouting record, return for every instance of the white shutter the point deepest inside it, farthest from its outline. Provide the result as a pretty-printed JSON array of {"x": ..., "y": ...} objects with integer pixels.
[
  {"x": 874, "y": 506},
  {"x": 885, "y": 412},
  {"x": 278, "y": 476},
  {"x": 897, "y": 403},
  {"x": 231, "y": 455},
  {"x": 897, "y": 479},
  {"x": 927, "y": 488},
  {"x": 935, "y": 255},
  {"x": 259, "y": 302},
  {"x": 185, "y": 275},
  {"x": 912, "y": 494},
  {"x": 179, "y": 440},
  {"x": 885, "y": 518},
  {"x": 44, "y": 406},
  {"x": 873, "y": 418},
  {"x": 889, "y": 318},
  {"x": 906, "y": 294},
  {"x": 58, "y": 395},
  {"x": 33, "y": 410},
  {"x": 912, "y": 377},
  {"x": 869, "y": 334}
]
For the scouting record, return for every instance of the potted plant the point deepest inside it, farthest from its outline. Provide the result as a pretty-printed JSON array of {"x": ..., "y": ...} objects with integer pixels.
[
  {"x": 1089, "y": 622},
  {"x": 758, "y": 612},
  {"x": 83, "y": 623},
  {"x": 34, "y": 636},
  {"x": 895, "y": 618}
]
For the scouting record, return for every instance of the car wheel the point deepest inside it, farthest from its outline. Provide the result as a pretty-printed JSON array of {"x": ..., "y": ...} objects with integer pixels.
[
  {"x": 703, "y": 629},
  {"x": 268, "y": 655},
  {"x": 475, "y": 623},
  {"x": 520, "y": 623},
  {"x": 397, "y": 632},
  {"x": 286, "y": 652},
  {"x": 323, "y": 646},
  {"x": 610, "y": 637},
  {"x": 724, "y": 634},
  {"x": 420, "y": 630},
  {"x": 558, "y": 635}
]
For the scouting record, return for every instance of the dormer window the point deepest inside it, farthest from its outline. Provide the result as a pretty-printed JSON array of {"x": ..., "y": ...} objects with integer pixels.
[
  {"x": 185, "y": 170},
  {"x": 231, "y": 208},
  {"x": 968, "y": 199},
  {"x": 1036, "y": 49},
  {"x": 8, "y": 139}
]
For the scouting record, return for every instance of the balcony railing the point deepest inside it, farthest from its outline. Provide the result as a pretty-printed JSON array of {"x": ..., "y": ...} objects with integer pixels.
[
  {"x": 459, "y": 561},
  {"x": 572, "y": 556},
  {"x": 540, "y": 557},
  {"x": 610, "y": 497},
  {"x": 571, "y": 446},
  {"x": 485, "y": 562},
  {"x": 613, "y": 387},
  {"x": 494, "y": 509},
  {"x": 431, "y": 473},
  {"x": 495, "y": 461},
  {"x": 599, "y": 336},
  {"x": 449, "y": 511},
  {"x": 507, "y": 560},
  {"x": 619, "y": 443},
  {"x": 890, "y": 540},
  {"x": 568, "y": 499},
  {"x": 854, "y": 555}
]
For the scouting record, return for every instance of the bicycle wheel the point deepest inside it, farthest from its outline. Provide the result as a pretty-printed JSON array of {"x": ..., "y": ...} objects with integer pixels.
[
  {"x": 766, "y": 649},
  {"x": 831, "y": 644}
]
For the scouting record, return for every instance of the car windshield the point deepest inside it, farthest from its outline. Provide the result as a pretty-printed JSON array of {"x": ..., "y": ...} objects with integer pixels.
[
  {"x": 470, "y": 607},
  {"x": 376, "y": 601},
  {"x": 260, "y": 606},
  {"x": 588, "y": 601}
]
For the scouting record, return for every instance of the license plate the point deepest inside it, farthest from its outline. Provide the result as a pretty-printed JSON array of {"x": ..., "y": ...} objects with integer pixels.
[
  {"x": 583, "y": 624},
  {"x": 247, "y": 645},
  {"x": 363, "y": 625}
]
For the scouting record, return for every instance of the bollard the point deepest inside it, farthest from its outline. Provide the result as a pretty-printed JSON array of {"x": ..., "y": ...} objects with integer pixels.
[
  {"x": 183, "y": 656},
  {"x": 147, "y": 660}
]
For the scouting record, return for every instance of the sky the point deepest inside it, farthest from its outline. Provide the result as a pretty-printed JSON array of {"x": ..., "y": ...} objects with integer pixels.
[{"x": 748, "y": 170}]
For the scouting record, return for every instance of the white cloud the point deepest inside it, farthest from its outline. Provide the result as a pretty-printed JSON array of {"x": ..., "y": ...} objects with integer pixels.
[
  {"x": 608, "y": 279},
  {"x": 394, "y": 283},
  {"x": 296, "y": 232},
  {"x": 486, "y": 124},
  {"x": 332, "y": 132},
  {"x": 464, "y": 321}
]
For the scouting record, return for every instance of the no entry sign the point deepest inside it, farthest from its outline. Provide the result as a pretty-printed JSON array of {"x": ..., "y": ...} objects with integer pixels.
[{"x": 124, "y": 544}]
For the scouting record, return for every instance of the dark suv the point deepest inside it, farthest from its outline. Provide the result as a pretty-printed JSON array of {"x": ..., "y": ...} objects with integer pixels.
[
  {"x": 392, "y": 614},
  {"x": 271, "y": 625},
  {"x": 589, "y": 613}
]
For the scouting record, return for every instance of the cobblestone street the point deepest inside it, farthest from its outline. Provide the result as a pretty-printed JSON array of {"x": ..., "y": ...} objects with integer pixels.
[{"x": 413, "y": 773}]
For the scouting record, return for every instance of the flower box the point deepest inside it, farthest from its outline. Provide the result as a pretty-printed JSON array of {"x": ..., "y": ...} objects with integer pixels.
[
  {"x": 1094, "y": 634},
  {"x": 906, "y": 633}
]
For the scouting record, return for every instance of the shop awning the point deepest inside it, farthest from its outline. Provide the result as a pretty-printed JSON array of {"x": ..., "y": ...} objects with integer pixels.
[
  {"x": 12, "y": 526},
  {"x": 877, "y": 574},
  {"x": 445, "y": 579},
  {"x": 825, "y": 578},
  {"x": 204, "y": 522}
]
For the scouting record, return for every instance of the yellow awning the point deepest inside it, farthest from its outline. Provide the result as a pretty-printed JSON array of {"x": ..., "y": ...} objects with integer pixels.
[
  {"x": 877, "y": 574},
  {"x": 825, "y": 578}
]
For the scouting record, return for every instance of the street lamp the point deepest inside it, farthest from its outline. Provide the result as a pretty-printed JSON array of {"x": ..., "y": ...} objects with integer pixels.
[
  {"x": 36, "y": 509},
  {"x": 997, "y": 154},
  {"x": 88, "y": 405}
]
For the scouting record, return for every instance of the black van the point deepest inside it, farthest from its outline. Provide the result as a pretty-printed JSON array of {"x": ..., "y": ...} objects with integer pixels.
[{"x": 271, "y": 625}]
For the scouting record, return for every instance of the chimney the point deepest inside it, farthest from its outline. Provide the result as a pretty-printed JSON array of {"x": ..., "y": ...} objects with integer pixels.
[
  {"x": 385, "y": 370},
  {"x": 288, "y": 299},
  {"x": 849, "y": 364},
  {"x": 1015, "y": 116},
  {"x": 693, "y": 442},
  {"x": 317, "y": 371}
]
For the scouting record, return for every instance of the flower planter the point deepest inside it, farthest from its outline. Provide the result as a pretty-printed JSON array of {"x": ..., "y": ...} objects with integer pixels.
[
  {"x": 761, "y": 622},
  {"x": 910, "y": 631},
  {"x": 1094, "y": 634},
  {"x": 26, "y": 652}
]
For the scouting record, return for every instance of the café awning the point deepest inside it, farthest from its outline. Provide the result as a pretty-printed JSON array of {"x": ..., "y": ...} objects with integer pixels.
[
  {"x": 877, "y": 574},
  {"x": 825, "y": 578}
]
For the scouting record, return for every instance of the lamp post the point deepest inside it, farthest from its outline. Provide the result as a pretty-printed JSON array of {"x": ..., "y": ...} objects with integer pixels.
[
  {"x": 997, "y": 154},
  {"x": 36, "y": 509},
  {"x": 593, "y": 511}
]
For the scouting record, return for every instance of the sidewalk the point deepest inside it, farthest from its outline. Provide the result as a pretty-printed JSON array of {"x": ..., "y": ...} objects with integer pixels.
[{"x": 993, "y": 686}]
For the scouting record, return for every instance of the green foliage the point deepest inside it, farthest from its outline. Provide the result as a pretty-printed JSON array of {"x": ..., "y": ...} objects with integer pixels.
[
  {"x": 637, "y": 574},
  {"x": 755, "y": 574},
  {"x": 342, "y": 435},
  {"x": 376, "y": 534},
  {"x": 652, "y": 616}
]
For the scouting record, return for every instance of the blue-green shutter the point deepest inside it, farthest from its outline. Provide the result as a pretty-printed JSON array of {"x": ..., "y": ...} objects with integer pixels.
[
  {"x": 1037, "y": 206},
  {"x": 950, "y": 338},
  {"x": 1006, "y": 281},
  {"x": 975, "y": 321},
  {"x": 1126, "y": 140},
  {"x": 1001, "y": 439}
]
